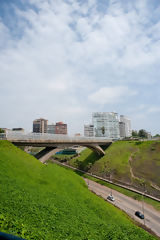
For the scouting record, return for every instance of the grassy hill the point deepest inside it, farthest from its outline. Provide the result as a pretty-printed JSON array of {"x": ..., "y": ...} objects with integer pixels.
[
  {"x": 132, "y": 163},
  {"x": 49, "y": 202}
]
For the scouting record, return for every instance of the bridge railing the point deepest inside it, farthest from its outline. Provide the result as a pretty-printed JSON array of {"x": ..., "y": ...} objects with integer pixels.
[
  {"x": 46, "y": 136},
  {"x": 3, "y": 136}
]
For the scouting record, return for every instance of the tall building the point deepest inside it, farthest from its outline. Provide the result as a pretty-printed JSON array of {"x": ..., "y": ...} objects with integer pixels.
[
  {"x": 61, "y": 128},
  {"x": 89, "y": 130},
  {"x": 106, "y": 124},
  {"x": 51, "y": 129},
  {"x": 40, "y": 125},
  {"x": 127, "y": 122},
  {"x": 122, "y": 130}
]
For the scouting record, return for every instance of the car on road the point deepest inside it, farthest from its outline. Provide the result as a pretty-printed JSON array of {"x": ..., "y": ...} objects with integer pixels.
[
  {"x": 111, "y": 198},
  {"x": 139, "y": 214}
]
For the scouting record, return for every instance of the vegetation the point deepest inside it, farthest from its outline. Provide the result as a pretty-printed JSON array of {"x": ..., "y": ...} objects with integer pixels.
[
  {"x": 157, "y": 135},
  {"x": 141, "y": 133},
  {"x": 124, "y": 191},
  {"x": 1, "y": 130},
  {"x": 103, "y": 130},
  {"x": 64, "y": 157},
  {"x": 133, "y": 163},
  {"x": 49, "y": 202}
]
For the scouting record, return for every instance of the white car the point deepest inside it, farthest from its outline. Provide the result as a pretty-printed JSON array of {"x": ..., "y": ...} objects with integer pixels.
[{"x": 111, "y": 198}]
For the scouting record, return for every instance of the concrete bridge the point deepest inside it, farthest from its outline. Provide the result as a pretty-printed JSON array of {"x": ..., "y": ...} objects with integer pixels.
[{"x": 53, "y": 143}]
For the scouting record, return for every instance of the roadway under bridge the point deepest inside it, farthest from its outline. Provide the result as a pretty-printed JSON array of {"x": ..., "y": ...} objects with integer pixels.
[{"x": 53, "y": 143}]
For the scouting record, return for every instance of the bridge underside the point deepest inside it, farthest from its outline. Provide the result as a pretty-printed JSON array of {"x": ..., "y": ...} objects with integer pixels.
[{"x": 51, "y": 149}]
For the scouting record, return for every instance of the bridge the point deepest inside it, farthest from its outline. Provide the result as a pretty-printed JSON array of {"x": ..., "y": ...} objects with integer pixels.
[{"x": 53, "y": 143}]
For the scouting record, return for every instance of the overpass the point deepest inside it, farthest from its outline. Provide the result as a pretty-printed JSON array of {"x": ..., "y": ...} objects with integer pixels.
[{"x": 52, "y": 143}]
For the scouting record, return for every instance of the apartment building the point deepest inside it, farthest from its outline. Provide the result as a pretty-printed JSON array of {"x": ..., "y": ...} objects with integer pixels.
[
  {"x": 40, "y": 125},
  {"x": 60, "y": 128}
]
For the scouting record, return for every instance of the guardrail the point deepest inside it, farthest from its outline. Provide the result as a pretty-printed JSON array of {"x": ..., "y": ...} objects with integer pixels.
[
  {"x": 47, "y": 136},
  {"x": 109, "y": 181},
  {"x": 3, "y": 136}
]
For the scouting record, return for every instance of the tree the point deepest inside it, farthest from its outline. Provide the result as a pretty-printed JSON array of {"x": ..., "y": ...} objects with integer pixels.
[
  {"x": 142, "y": 133},
  {"x": 1, "y": 130},
  {"x": 103, "y": 130},
  {"x": 134, "y": 133},
  {"x": 157, "y": 135}
]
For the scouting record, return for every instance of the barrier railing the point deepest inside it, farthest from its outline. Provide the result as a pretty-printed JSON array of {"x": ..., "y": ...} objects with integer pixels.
[
  {"x": 46, "y": 136},
  {"x": 3, "y": 136}
]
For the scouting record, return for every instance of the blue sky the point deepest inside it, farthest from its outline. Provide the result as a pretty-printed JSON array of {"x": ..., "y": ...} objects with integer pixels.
[{"x": 63, "y": 60}]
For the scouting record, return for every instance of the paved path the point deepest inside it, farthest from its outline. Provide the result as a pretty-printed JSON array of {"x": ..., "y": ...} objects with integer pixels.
[{"x": 129, "y": 205}]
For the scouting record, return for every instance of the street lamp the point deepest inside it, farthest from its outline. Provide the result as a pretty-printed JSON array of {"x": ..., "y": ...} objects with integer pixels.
[
  {"x": 110, "y": 176},
  {"x": 143, "y": 201}
]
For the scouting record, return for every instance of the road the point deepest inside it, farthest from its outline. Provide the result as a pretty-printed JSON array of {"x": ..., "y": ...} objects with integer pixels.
[{"x": 129, "y": 205}]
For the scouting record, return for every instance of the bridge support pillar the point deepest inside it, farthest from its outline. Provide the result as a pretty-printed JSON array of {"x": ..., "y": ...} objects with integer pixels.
[
  {"x": 97, "y": 149},
  {"x": 46, "y": 153}
]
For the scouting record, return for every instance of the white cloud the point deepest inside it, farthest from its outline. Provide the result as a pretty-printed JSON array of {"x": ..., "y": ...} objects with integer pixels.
[
  {"x": 69, "y": 49},
  {"x": 111, "y": 94},
  {"x": 154, "y": 109}
]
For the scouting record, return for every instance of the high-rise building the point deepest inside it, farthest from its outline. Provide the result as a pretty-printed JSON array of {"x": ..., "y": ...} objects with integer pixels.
[
  {"x": 127, "y": 121},
  {"x": 40, "y": 125},
  {"x": 122, "y": 130},
  {"x": 61, "y": 128},
  {"x": 88, "y": 130},
  {"x": 51, "y": 129},
  {"x": 106, "y": 124}
]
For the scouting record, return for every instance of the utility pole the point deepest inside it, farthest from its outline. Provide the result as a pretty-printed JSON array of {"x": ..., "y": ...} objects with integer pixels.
[
  {"x": 110, "y": 180},
  {"x": 143, "y": 202}
]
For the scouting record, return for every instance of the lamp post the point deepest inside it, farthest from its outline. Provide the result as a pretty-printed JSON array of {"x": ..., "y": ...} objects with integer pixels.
[
  {"x": 110, "y": 176},
  {"x": 143, "y": 201}
]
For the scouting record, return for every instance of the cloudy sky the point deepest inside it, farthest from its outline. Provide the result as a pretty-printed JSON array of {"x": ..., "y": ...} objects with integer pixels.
[{"x": 64, "y": 59}]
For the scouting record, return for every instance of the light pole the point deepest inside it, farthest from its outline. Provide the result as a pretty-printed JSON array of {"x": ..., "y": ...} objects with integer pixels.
[
  {"x": 110, "y": 179},
  {"x": 143, "y": 202}
]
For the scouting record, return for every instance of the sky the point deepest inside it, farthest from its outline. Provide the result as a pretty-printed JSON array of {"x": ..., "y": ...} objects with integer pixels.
[{"x": 64, "y": 59}]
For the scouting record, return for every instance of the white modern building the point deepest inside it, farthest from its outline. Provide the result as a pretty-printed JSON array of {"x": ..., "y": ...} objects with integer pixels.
[
  {"x": 88, "y": 130},
  {"x": 106, "y": 124},
  {"x": 122, "y": 130},
  {"x": 127, "y": 122}
]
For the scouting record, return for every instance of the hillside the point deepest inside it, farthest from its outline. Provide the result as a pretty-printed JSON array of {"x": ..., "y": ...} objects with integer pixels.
[
  {"x": 135, "y": 164},
  {"x": 49, "y": 202}
]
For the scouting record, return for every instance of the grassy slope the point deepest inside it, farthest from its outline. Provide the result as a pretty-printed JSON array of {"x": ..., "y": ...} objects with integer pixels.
[
  {"x": 145, "y": 157},
  {"x": 145, "y": 164},
  {"x": 49, "y": 202}
]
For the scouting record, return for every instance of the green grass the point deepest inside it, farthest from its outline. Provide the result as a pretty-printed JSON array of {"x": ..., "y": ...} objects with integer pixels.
[
  {"x": 144, "y": 159},
  {"x": 145, "y": 163},
  {"x": 63, "y": 157},
  {"x": 115, "y": 161},
  {"x": 124, "y": 191},
  {"x": 86, "y": 159},
  {"x": 49, "y": 202}
]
